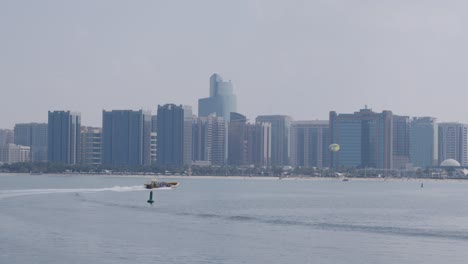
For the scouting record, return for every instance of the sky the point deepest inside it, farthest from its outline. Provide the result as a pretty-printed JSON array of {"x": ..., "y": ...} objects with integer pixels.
[{"x": 301, "y": 58}]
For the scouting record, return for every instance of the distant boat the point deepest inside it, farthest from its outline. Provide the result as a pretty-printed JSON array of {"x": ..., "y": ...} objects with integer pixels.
[
  {"x": 345, "y": 179},
  {"x": 154, "y": 184},
  {"x": 35, "y": 173}
]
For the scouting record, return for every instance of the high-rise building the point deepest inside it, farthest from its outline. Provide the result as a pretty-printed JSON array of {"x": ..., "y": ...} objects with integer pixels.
[
  {"x": 365, "y": 139},
  {"x": 309, "y": 144},
  {"x": 237, "y": 145},
  {"x": 154, "y": 123},
  {"x": 11, "y": 153},
  {"x": 209, "y": 140},
  {"x": 401, "y": 141},
  {"x": 33, "y": 135},
  {"x": 424, "y": 142},
  {"x": 453, "y": 139},
  {"x": 174, "y": 135},
  {"x": 153, "y": 146},
  {"x": 201, "y": 140},
  {"x": 258, "y": 139},
  {"x": 91, "y": 145},
  {"x": 154, "y": 130},
  {"x": 249, "y": 144},
  {"x": 222, "y": 100},
  {"x": 6, "y": 136},
  {"x": 64, "y": 137},
  {"x": 281, "y": 137},
  {"x": 126, "y": 137}
]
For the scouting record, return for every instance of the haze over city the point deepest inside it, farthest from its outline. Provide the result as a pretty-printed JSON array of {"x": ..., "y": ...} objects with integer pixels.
[{"x": 298, "y": 58}]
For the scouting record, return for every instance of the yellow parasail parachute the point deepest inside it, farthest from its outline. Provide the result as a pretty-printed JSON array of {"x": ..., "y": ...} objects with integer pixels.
[{"x": 334, "y": 147}]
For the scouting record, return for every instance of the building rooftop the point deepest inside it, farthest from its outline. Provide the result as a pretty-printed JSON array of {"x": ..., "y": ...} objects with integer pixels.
[{"x": 450, "y": 163}]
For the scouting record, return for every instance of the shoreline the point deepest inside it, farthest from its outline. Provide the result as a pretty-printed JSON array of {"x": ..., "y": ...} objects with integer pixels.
[{"x": 240, "y": 177}]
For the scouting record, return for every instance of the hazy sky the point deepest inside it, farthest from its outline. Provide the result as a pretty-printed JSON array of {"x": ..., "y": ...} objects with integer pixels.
[{"x": 297, "y": 57}]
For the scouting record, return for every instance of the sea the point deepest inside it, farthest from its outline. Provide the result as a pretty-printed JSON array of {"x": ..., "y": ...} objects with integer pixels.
[{"x": 106, "y": 219}]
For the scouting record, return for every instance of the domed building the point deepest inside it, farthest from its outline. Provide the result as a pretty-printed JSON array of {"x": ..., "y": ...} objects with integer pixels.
[
  {"x": 452, "y": 168},
  {"x": 450, "y": 163}
]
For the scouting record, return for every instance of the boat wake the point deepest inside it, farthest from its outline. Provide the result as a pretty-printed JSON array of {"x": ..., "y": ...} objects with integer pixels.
[{"x": 26, "y": 192}]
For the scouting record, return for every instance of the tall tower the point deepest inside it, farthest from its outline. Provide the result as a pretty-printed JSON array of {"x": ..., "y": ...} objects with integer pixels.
[
  {"x": 309, "y": 144},
  {"x": 91, "y": 145},
  {"x": 222, "y": 100},
  {"x": 424, "y": 141},
  {"x": 174, "y": 135},
  {"x": 280, "y": 137},
  {"x": 453, "y": 142},
  {"x": 365, "y": 139},
  {"x": 64, "y": 137},
  {"x": 237, "y": 147},
  {"x": 401, "y": 141},
  {"x": 6, "y": 136},
  {"x": 126, "y": 137},
  {"x": 209, "y": 140},
  {"x": 258, "y": 141},
  {"x": 33, "y": 135}
]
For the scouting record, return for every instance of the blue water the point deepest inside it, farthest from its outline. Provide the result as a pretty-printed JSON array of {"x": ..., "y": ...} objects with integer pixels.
[{"x": 96, "y": 219}]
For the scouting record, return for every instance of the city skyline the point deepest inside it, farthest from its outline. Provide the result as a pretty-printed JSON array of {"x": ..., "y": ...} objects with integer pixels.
[
  {"x": 249, "y": 117},
  {"x": 315, "y": 55},
  {"x": 365, "y": 139}
]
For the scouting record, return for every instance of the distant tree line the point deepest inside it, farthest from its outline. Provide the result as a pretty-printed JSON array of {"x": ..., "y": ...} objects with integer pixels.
[
  {"x": 277, "y": 171},
  {"x": 48, "y": 167}
]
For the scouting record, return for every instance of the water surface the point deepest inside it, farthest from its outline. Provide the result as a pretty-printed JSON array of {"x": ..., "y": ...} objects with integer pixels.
[{"x": 96, "y": 219}]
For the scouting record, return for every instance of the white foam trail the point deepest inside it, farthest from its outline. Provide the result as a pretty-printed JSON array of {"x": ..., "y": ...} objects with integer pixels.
[{"x": 15, "y": 193}]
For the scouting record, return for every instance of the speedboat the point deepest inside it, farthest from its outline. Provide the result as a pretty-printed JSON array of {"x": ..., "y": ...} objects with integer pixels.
[{"x": 154, "y": 184}]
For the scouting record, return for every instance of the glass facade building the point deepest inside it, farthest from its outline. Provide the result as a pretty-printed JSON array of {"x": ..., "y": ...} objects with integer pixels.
[
  {"x": 424, "y": 142},
  {"x": 209, "y": 140},
  {"x": 222, "y": 100},
  {"x": 237, "y": 145},
  {"x": 33, "y": 135},
  {"x": 365, "y": 139},
  {"x": 281, "y": 137},
  {"x": 174, "y": 135},
  {"x": 309, "y": 144},
  {"x": 64, "y": 137},
  {"x": 126, "y": 137},
  {"x": 401, "y": 141},
  {"x": 6, "y": 136}
]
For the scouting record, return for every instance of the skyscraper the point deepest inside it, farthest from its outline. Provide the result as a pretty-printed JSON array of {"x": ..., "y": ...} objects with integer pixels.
[
  {"x": 64, "y": 137},
  {"x": 91, "y": 145},
  {"x": 154, "y": 123},
  {"x": 126, "y": 137},
  {"x": 222, "y": 100},
  {"x": 237, "y": 145},
  {"x": 453, "y": 139},
  {"x": 424, "y": 142},
  {"x": 153, "y": 146},
  {"x": 309, "y": 144},
  {"x": 258, "y": 139},
  {"x": 401, "y": 141},
  {"x": 281, "y": 137},
  {"x": 209, "y": 140},
  {"x": 6, "y": 136},
  {"x": 174, "y": 135},
  {"x": 249, "y": 144},
  {"x": 33, "y": 135},
  {"x": 365, "y": 139}
]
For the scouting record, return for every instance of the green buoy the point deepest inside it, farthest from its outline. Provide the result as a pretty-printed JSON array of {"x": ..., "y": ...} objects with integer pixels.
[{"x": 150, "y": 201}]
